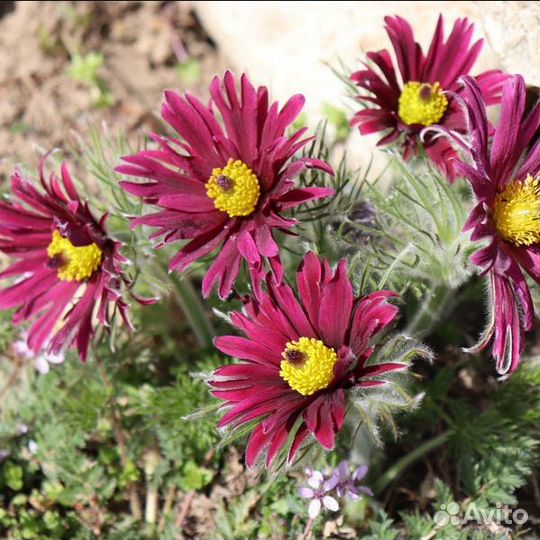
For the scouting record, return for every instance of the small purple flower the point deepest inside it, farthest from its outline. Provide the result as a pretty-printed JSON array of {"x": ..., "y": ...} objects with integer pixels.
[
  {"x": 4, "y": 454},
  {"x": 21, "y": 348},
  {"x": 317, "y": 492},
  {"x": 42, "y": 360},
  {"x": 341, "y": 483},
  {"x": 345, "y": 483},
  {"x": 33, "y": 447}
]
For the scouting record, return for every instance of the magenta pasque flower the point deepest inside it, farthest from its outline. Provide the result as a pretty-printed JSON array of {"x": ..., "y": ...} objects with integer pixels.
[
  {"x": 420, "y": 98},
  {"x": 224, "y": 184},
  {"x": 69, "y": 272},
  {"x": 300, "y": 356},
  {"x": 505, "y": 178}
]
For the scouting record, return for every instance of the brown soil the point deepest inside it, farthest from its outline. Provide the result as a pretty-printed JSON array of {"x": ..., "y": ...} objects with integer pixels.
[{"x": 142, "y": 43}]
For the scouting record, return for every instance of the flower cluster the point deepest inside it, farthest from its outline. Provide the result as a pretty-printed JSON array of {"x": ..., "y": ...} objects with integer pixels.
[
  {"x": 224, "y": 183},
  {"x": 324, "y": 491},
  {"x": 437, "y": 97},
  {"x": 42, "y": 361}
]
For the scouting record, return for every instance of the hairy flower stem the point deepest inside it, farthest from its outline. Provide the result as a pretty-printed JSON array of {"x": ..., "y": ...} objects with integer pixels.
[
  {"x": 152, "y": 498},
  {"x": 134, "y": 501},
  {"x": 430, "y": 312},
  {"x": 151, "y": 463},
  {"x": 307, "y": 531},
  {"x": 397, "y": 469},
  {"x": 193, "y": 309}
]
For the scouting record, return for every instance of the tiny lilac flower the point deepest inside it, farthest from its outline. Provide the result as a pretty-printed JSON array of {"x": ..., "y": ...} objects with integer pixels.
[
  {"x": 4, "y": 454},
  {"x": 21, "y": 348},
  {"x": 317, "y": 493},
  {"x": 346, "y": 483},
  {"x": 33, "y": 447},
  {"x": 42, "y": 361}
]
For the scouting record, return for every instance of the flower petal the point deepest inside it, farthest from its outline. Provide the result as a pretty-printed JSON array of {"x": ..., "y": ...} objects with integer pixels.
[
  {"x": 330, "y": 503},
  {"x": 314, "y": 508}
]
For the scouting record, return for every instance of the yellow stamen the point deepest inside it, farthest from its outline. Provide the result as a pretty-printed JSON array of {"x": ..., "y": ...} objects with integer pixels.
[
  {"x": 422, "y": 103},
  {"x": 75, "y": 263},
  {"x": 516, "y": 212},
  {"x": 234, "y": 189},
  {"x": 308, "y": 365}
]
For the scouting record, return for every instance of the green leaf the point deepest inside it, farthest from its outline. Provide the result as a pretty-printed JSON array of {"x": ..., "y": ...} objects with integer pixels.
[
  {"x": 337, "y": 118},
  {"x": 193, "y": 477},
  {"x": 84, "y": 68},
  {"x": 189, "y": 71},
  {"x": 13, "y": 475}
]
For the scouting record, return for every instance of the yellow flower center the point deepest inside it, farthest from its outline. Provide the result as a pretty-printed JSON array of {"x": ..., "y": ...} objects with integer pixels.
[
  {"x": 307, "y": 365},
  {"x": 234, "y": 189},
  {"x": 422, "y": 103},
  {"x": 516, "y": 212},
  {"x": 74, "y": 263}
]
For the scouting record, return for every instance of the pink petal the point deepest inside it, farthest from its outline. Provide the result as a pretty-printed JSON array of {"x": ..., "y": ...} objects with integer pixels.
[
  {"x": 306, "y": 493},
  {"x": 330, "y": 503},
  {"x": 314, "y": 508},
  {"x": 296, "y": 197},
  {"x": 245, "y": 349},
  {"x": 256, "y": 444},
  {"x": 336, "y": 305}
]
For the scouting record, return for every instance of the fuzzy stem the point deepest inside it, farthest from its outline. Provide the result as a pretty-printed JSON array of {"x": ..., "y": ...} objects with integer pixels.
[
  {"x": 134, "y": 501},
  {"x": 152, "y": 498},
  {"x": 430, "y": 311},
  {"x": 193, "y": 309},
  {"x": 307, "y": 531},
  {"x": 151, "y": 462},
  {"x": 393, "y": 472}
]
